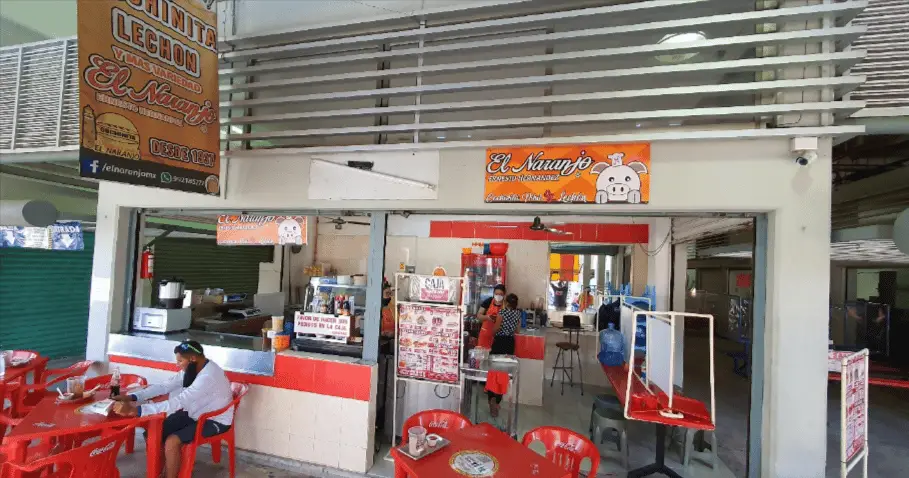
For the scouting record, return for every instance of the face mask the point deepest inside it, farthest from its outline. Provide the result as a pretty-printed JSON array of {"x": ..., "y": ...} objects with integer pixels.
[
  {"x": 192, "y": 370},
  {"x": 499, "y": 298},
  {"x": 386, "y": 301}
]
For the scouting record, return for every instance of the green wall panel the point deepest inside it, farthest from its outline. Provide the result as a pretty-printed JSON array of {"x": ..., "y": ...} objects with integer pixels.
[{"x": 44, "y": 297}]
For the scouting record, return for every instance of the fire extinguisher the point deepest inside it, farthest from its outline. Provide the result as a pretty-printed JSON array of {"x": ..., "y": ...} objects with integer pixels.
[{"x": 147, "y": 269}]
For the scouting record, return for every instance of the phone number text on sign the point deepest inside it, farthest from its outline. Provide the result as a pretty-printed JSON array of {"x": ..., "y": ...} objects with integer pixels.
[{"x": 328, "y": 326}]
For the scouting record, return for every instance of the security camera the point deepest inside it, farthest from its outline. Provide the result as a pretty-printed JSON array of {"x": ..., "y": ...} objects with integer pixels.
[
  {"x": 804, "y": 148},
  {"x": 805, "y": 158}
]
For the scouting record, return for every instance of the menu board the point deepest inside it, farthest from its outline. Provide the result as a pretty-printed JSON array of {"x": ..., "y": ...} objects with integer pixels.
[
  {"x": 324, "y": 326},
  {"x": 855, "y": 384},
  {"x": 429, "y": 342}
]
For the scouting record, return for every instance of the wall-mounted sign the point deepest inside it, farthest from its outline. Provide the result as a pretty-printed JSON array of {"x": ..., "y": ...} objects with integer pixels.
[
  {"x": 326, "y": 327},
  {"x": 586, "y": 174},
  {"x": 429, "y": 342},
  {"x": 148, "y": 93},
  {"x": 62, "y": 236},
  {"x": 261, "y": 230}
]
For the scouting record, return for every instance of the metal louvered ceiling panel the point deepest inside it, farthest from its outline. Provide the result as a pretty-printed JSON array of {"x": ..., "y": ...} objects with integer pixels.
[
  {"x": 39, "y": 96},
  {"x": 886, "y": 64}
]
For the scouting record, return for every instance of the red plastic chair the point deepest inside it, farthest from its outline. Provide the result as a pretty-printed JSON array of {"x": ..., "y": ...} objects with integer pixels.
[
  {"x": 94, "y": 460},
  {"x": 565, "y": 448},
  {"x": 126, "y": 380},
  {"x": 188, "y": 455},
  {"x": 30, "y": 394},
  {"x": 435, "y": 421}
]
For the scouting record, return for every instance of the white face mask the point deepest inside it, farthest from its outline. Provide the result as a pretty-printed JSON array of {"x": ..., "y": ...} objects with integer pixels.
[{"x": 499, "y": 298}]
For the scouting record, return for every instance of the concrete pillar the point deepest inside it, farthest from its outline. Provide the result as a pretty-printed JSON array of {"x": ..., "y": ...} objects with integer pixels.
[
  {"x": 601, "y": 272},
  {"x": 794, "y": 412},
  {"x": 659, "y": 261},
  {"x": 107, "y": 311},
  {"x": 640, "y": 266},
  {"x": 584, "y": 276}
]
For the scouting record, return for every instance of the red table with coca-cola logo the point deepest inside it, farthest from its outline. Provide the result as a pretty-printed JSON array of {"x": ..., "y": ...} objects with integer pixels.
[
  {"x": 505, "y": 457},
  {"x": 49, "y": 419}
]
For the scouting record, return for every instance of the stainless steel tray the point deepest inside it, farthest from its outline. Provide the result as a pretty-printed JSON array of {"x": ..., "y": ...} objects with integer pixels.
[{"x": 426, "y": 450}]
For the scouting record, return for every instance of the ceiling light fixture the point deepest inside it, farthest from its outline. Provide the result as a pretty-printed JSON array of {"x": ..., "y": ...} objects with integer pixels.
[{"x": 678, "y": 38}]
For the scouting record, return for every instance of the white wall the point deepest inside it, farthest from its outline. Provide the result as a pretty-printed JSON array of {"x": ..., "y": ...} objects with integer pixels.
[
  {"x": 66, "y": 200},
  {"x": 689, "y": 177}
]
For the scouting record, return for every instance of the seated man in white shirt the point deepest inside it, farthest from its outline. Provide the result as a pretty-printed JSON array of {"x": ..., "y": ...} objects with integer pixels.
[{"x": 202, "y": 387}]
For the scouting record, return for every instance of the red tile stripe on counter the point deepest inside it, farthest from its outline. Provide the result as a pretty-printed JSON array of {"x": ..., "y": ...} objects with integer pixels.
[
  {"x": 533, "y": 348},
  {"x": 596, "y": 233},
  {"x": 322, "y": 377}
]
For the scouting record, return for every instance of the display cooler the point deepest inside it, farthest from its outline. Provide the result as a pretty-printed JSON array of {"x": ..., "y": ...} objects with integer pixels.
[{"x": 483, "y": 272}]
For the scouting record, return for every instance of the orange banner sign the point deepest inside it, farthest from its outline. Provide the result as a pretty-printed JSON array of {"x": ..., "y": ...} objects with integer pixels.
[
  {"x": 253, "y": 230},
  {"x": 590, "y": 173},
  {"x": 148, "y": 93}
]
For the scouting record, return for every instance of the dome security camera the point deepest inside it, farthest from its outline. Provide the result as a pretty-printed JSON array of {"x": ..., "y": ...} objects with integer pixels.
[{"x": 804, "y": 158}]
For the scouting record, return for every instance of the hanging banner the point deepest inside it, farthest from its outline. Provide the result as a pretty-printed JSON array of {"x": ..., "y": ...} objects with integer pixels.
[
  {"x": 585, "y": 174},
  {"x": 253, "y": 230},
  {"x": 62, "y": 236},
  {"x": 148, "y": 93}
]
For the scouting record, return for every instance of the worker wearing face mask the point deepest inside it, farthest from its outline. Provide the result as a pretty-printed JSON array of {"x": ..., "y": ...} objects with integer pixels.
[
  {"x": 388, "y": 310},
  {"x": 488, "y": 315}
]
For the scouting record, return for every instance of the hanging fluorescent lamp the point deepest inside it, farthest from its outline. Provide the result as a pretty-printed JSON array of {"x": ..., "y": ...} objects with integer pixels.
[{"x": 677, "y": 38}]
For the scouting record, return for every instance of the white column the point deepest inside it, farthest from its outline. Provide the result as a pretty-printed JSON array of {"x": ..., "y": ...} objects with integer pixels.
[
  {"x": 659, "y": 261},
  {"x": 794, "y": 418},
  {"x": 109, "y": 270},
  {"x": 679, "y": 292}
]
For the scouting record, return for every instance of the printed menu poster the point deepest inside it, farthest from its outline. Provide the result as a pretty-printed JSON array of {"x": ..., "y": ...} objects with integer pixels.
[
  {"x": 62, "y": 236},
  {"x": 148, "y": 93},
  {"x": 579, "y": 174},
  {"x": 855, "y": 381},
  {"x": 429, "y": 342},
  {"x": 259, "y": 230}
]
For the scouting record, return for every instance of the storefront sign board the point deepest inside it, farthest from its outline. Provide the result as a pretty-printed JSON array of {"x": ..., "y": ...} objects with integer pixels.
[
  {"x": 148, "y": 93},
  {"x": 261, "y": 230},
  {"x": 854, "y": 411},
  {"x": 580, "y": 174},
  {"x": 62, "y": 236},
  {"x": 429, "y": 342},
  {"x": 326, "y": 327}
]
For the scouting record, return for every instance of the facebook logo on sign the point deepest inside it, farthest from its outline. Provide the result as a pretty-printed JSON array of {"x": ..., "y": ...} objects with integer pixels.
[{"x": 91, "y": 167}]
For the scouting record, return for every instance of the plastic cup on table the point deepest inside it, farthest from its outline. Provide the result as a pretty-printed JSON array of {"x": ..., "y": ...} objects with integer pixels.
[
  {"x": 416, "y": 440},
  {"x": 75, "y": 386}
]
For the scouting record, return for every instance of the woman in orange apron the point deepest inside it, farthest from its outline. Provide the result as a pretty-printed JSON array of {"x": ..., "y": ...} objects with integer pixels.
[
  {"x": 489, "y": 314},
  {"x": 388, "y": 310}
]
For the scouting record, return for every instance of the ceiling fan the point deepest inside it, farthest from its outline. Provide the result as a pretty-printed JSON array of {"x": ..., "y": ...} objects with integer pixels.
[
  {"x": 340, "y": 222},
  {"x": 537, "y": 225}
]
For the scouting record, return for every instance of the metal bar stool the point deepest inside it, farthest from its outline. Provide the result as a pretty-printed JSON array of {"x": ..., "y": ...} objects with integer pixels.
[{"x": 572, "y": 325}]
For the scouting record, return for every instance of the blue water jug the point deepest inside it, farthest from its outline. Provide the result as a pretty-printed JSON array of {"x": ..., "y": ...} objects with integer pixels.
[{"x": 612, "y": 346}]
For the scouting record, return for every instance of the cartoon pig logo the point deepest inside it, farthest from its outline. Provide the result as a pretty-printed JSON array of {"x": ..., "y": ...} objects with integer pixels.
[
  {"x": 290, "y": 232},
  {"x": 618, "y": 182}
]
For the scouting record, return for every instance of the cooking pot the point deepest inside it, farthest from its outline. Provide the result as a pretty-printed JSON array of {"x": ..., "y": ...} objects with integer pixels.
[{"x": 170, "y": 293}]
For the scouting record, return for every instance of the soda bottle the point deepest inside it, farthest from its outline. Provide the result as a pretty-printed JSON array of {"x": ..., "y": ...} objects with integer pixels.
[{"x": 115, "y": 383}]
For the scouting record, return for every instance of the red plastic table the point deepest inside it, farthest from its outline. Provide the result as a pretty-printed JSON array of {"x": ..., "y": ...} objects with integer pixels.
[
  {"x": 646, "y": 406},
  {"x": 514, "y": 460},
  {"x": 48, "y": 419},
  {"x": 36, "y": 365}
]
